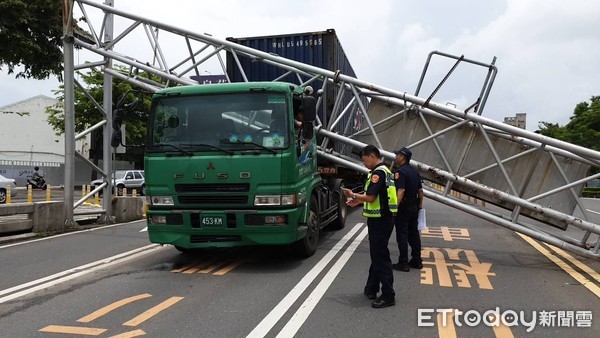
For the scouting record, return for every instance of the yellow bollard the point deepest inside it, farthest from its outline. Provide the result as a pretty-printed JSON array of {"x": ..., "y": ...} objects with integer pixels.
[
  {"x": 475, "y": 200},
  {"x": 48, "y": 198},
  {"x": 82, "y": 191},
  {"x": 124, "y": 191},
  {"x": 145, "y": 208},
  {"x": 483, "y": 203},
  {"x": 29, "y": 194},
  {"x": 87, "y": 191},
  {"x": 96, "y": 200},
  {"x": 134, "y": 193},
  {"x": 8, "y": 198}
]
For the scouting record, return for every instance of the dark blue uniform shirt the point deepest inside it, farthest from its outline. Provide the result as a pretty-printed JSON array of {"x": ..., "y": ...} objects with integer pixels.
[{"x": 407, "y": 178}]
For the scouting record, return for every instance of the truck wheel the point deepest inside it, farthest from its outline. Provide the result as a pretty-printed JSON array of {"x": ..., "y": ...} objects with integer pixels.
[
  {"x": 342, "y": 209},
  {"x": 120, "y": 190},
  {"x": 143, "y": 190},
  {"x": 2, "y": 196},
  {"x": 307, "y": 246}
]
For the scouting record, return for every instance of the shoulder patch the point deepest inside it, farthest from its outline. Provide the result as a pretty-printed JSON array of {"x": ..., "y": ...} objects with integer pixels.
[
  {"x": 396, "y": 175},
  {"x": 375, "y": 178}
]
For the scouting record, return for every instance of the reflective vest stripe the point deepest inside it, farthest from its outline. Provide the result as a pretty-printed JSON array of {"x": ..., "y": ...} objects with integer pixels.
[{"x": 373, "y": 209}]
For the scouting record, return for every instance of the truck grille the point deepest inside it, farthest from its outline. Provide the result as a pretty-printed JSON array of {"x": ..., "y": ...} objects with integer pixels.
[
  {"x": 216, "y": 187},
  {"x": 236, "y": 199}
]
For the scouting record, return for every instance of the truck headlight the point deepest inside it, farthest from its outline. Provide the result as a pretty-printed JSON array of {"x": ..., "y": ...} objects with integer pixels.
[
  {"x": 274, "y": 200},
  {"x": 161, "y": 200}
]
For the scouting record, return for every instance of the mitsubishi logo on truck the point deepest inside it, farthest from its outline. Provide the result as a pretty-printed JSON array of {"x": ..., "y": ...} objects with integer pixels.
[{"x": 210, "y": 166}]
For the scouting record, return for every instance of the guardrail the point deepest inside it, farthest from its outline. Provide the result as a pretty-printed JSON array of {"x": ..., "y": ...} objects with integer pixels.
[{"x": 48, "y": 216}]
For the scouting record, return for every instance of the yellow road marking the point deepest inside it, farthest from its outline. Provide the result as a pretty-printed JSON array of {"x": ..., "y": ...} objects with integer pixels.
[
  {"x": 500, "y": 331},
  {"x": 228, "y": 268},
  {"x": 191, "y": 268},
  {"x": 85, "y": 331},
  {"x": 563, "y": 265},
  {"x": 448, "y": 330},
  {"x": 577, "y": 263},
  {"x": 152, "y": 311},
  {"x": 210, "y": 268},
  {"x": 134, "y": 333},
  {"x": 101, "y": 312}
]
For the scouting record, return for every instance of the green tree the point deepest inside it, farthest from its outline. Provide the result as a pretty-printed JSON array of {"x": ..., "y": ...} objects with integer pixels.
[
  {"x": 583, "y": 128},
  {"x": 87, "y": 114},
  {"x": 31, "y": 37}
]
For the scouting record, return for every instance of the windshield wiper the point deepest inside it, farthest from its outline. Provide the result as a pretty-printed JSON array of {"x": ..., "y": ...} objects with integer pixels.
[
  {"x": 207, "y": 145},
  {"x": 258, "y": 145},
  {"x": 172, "y": 146}
]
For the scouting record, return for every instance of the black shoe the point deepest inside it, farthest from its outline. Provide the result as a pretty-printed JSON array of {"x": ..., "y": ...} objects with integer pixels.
[
  {"x": 401, "y": 267},
  {"x": 415, "y": 265},
  {"x": 370, "y": 294},
  {"x": 383, "y": 301}
]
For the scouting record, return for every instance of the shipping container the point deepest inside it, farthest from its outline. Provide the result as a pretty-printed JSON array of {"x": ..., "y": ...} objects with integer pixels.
[{"x": 320, "y": 49}]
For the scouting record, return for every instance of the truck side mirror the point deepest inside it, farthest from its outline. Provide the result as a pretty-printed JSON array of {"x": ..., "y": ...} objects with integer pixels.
[{"x": 309, "y": 108}]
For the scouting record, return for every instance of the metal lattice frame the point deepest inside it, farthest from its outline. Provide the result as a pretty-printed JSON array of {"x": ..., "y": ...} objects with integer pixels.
[{"x": 204, "y": 49}]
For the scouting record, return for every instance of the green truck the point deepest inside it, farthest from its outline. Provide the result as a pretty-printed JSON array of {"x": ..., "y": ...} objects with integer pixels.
[{"x": 235, "y": 164}]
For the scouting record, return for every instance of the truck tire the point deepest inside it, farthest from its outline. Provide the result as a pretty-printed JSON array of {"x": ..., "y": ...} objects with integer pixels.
[
  {"x": 307, "y": 246},
  {"x": 120, "y": 188},
  {"x": 342, "y": 209},
  {"x": 2, "y": 196}
]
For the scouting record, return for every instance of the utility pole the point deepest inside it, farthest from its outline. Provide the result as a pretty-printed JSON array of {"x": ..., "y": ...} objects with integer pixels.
[
  {"x": 69, "y": 78},
  {"x": 107, "y": 154}
]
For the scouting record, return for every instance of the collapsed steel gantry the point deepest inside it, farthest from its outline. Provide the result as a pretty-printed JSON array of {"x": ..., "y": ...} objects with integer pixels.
[{"x": 532, "y": 180}]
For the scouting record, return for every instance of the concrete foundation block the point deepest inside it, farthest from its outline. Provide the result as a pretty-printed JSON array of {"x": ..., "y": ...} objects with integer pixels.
[
  {"x": 48, "y": 217},
  {"x": 127, "y": 209}
]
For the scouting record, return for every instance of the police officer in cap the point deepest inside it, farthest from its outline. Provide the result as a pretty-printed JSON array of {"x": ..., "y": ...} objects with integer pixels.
[
  {"x": 410, "y": 199},
  {"x": 379, "y": 203}
]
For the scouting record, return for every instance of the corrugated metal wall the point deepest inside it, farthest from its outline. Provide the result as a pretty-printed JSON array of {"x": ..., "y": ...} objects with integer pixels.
[{"x": 320, "y": 49}]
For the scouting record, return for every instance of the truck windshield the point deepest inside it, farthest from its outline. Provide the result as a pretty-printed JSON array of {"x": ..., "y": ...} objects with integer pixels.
[{"x": 233, "y": 121}]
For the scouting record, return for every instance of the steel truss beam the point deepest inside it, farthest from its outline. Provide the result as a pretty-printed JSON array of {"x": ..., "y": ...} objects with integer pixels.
[{"x": 438, "y": 123}]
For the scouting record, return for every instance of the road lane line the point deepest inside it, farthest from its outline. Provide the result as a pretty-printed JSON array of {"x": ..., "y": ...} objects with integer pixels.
[
  {"x": 298, "y": 319},
  {"x": 595, "y": 212},
  {"x": 70, "y": 233},
  {"x": 70, "y": 271},
  {"x": 500, "y": 330},
  {"x": 70, "y": 274},
  {"x": 152, "y": 311},
  {"x": 577, "y": 263},
  {"x": 87, "y": 331},
  {"x": 284, "y": 305},
  {"x": 563, "y": 265},
  {"x": 445, "y": 324},
  {"x": 101, "y": 312}
]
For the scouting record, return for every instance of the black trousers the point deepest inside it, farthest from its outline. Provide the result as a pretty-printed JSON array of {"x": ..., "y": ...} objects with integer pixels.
[
  {"x": 407, "y": 233},
  {"x": 380, "y": 271}
]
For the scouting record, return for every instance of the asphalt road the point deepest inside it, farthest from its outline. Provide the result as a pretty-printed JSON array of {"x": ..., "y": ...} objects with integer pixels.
[{"x": 75, "y": 284}]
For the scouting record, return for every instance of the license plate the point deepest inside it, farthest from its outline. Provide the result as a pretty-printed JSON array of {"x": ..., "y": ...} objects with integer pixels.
[{"x": 212, "y": 221}]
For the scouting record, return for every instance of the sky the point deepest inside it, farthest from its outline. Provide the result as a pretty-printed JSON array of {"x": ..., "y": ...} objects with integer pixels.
[{"x": 547, "y": 51}]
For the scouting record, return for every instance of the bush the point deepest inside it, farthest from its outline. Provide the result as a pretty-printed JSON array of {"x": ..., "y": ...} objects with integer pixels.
[{"x": 593, "y": 192}]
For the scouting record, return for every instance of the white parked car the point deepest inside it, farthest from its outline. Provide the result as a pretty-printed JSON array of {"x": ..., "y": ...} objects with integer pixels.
[
  {"x": 130, "y": 179},
  {"x": 4, "y": 183}
]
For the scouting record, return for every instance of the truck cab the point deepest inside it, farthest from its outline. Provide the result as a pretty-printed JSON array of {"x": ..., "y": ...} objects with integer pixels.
[{"x": 236, "y": 164}]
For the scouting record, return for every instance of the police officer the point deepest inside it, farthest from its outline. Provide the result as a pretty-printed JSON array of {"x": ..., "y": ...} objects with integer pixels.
[
  {"x": 379, "y": 202},
  {"x": 410, "y": 199}
]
